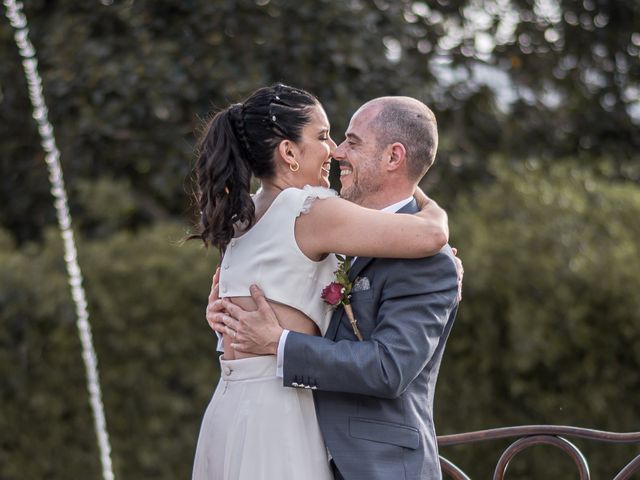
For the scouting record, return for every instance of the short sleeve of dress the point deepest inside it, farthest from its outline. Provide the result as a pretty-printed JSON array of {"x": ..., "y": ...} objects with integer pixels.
[{"x": 312, "y": 193}]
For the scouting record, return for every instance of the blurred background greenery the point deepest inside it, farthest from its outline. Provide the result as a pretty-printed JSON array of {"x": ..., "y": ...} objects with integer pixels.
[{"x": 537, "y": 103}]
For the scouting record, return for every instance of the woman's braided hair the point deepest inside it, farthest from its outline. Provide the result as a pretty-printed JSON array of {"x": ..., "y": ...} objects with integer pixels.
[
  {"x": 239, "y": 142},
  {"x": 236, "y": 112}
]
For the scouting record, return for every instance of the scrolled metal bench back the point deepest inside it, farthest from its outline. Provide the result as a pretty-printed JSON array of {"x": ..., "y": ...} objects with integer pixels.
[{"x": 530, "y": 435}]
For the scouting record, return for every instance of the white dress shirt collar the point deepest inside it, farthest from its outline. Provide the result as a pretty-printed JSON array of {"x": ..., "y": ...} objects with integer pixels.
[{"x": 397, "y": 206}]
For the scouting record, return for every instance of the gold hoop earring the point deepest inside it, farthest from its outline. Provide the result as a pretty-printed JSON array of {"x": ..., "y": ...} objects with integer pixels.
[{"x": 296, "y": 168}]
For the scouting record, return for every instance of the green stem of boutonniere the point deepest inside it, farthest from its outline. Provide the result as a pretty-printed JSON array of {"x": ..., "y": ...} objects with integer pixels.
[{"x": 353, "y": 321}]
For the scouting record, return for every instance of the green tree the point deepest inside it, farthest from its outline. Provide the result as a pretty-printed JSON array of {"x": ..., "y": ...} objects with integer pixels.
[
  {"x": 128, "y": 82},
  {"x": 548, "y": 327},
  {"x": 147, "y": 296}
]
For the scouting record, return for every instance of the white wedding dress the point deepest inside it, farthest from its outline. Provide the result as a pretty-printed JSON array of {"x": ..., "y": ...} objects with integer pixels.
[{"x": 255, "y": 428}]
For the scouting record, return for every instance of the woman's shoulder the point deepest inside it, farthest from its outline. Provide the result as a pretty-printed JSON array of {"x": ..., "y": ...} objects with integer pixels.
[
  {"x": 319, "y": 192},
  {"x": 309, "y": 194},
  {"x": 310, "y": 191},
  {"x": 301, "y": 199}
]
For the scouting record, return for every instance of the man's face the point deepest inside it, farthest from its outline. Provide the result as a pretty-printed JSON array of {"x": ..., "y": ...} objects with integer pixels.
[{"x": 359, "y": 158}]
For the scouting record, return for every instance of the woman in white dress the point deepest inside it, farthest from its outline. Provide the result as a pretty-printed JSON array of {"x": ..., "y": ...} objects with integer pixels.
[{"x": 254, "y": 428}]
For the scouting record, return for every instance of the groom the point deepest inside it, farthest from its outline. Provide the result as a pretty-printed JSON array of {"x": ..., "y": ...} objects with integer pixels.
[{"x": 374, "y": 398}]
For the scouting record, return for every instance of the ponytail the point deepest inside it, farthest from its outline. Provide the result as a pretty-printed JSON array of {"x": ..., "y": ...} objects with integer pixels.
[{"x": 223, "y": 178}]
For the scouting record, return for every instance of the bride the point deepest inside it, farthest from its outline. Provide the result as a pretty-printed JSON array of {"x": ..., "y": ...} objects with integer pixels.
[{"x": 254, "y": 428}]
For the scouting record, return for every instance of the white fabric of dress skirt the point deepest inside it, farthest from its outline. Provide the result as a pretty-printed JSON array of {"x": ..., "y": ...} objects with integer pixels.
[{"x": 256, "y": 429}]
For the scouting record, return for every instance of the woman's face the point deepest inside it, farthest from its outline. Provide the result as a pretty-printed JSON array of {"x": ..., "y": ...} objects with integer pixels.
[{"x": 315, "y": 150}]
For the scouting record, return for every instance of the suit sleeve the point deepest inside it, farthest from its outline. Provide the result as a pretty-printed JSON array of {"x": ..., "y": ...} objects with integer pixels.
[{"x": 417, "y": 299}]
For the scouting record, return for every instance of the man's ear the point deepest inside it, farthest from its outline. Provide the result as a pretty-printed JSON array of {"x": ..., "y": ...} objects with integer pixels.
[{"x": 397, "y": 156}]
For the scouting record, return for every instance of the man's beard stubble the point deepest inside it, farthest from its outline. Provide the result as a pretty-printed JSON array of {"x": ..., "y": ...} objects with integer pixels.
[{"x": 363, "y": 186}]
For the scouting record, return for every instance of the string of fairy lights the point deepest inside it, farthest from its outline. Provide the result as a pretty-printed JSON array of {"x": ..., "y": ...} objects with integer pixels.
[{"x": 18, "y": 20}]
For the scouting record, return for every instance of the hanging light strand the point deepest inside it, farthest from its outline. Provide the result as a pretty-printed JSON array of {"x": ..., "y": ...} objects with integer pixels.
[{"x": 15, "y": 15}]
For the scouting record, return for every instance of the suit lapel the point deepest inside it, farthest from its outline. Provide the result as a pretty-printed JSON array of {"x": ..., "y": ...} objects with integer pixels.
[
  {"x": 334, "y": 324},
  {"x": 358, "y": 266},
  {"x": 354, "y": 271}
]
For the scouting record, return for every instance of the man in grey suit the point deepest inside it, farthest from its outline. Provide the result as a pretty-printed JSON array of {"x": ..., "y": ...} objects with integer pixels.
[{"x": 374, "y": 398}]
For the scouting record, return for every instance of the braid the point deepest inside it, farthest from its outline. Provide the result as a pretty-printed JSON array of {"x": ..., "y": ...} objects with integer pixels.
[{"x": 237, "y": 117}]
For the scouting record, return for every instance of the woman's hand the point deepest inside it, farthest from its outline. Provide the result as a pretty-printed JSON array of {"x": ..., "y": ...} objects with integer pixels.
[
  {"x": 421, "y": 198},
  {"x": 436, "y": 216},
  {"x": 214, "y": 306}
]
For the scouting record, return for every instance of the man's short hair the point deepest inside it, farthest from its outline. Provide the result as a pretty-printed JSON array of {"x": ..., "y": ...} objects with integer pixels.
[{"x": 412, "y": 124}]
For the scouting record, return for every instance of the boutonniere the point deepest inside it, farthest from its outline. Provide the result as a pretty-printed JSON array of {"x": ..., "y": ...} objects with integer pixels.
[{"x": 339, "y": 292}]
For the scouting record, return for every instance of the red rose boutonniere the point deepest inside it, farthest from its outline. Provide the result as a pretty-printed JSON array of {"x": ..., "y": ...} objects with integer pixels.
[{"x": 339, "y": 291}]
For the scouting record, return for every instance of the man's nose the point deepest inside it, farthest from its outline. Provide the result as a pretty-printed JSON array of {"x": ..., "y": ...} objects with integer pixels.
[{"x": 338, "y": 152}]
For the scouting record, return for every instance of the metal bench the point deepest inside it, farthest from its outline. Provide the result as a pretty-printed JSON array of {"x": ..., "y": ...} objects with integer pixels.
[{"x": 529, "y": 435}]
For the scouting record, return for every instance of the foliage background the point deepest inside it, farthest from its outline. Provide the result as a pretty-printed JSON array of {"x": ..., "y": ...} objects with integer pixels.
[{"x": 539, "y": 116}]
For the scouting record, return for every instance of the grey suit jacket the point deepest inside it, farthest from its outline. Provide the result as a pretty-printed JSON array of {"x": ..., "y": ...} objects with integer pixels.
[{"x": 374, "y": 399}]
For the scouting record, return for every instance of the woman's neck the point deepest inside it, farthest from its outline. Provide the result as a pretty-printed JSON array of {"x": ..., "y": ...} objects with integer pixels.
[{"x": 269, "y": 190}]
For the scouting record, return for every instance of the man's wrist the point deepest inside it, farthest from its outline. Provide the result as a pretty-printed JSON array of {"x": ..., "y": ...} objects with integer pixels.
[{"x": 275, "y": 344}]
